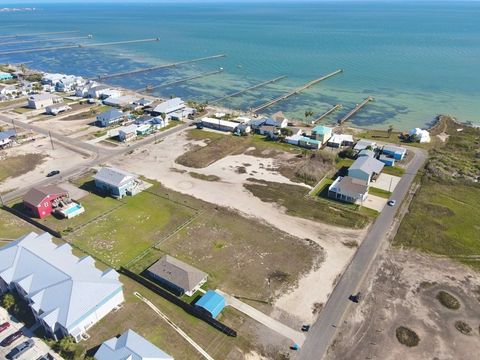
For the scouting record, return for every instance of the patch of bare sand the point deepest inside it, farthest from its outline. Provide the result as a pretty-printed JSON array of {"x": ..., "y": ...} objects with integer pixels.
[{"x": 158, "y": 162}]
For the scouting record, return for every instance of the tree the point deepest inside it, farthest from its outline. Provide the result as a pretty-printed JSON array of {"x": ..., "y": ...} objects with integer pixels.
[
  {"x": 308, "y": 114},
  {"x": 8, "y": 301},
  {"x": 66, "y": 345},
  {"x": 389, "y": 131}
]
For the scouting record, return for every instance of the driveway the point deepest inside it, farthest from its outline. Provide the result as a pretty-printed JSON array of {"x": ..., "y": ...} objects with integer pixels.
[
  {"x": 375, "y": 202},
  {"x": 386, "y": 182},
  {"x": 38, "y": 350}
]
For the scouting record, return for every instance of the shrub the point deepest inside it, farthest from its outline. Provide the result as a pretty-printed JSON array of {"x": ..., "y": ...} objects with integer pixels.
[
  {"x": 448, "y": 300},
  {"x": 407, "y": 337},
  {"x": 463, "y": 327}
]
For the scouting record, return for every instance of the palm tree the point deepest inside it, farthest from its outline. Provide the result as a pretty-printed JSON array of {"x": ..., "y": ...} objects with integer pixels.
[
  {"x": 8, "y": 301},
  {"x": 308, "y": 113},
  {"x": 389, "y": 131}
]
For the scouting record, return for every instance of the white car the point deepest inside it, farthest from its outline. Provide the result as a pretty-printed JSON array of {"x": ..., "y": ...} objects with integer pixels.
[{"x": 392, "y": 202}]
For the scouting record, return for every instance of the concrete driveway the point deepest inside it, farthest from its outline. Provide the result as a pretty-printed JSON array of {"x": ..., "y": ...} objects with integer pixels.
[
  {"x": 38, "y": 350},
  {"x": 386, "y": 182},
  {"x": 375, "y": 202}
]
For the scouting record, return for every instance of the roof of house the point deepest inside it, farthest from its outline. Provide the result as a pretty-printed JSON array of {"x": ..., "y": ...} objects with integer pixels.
[
  {"x": 279, "y": 116},
  {"x": 257, "y": 122},
  {"x": 42, "y": 96},
  {"x": 386, "y": 158},
  {"x": 349, "y": 186},
  {"x": 212, "y": 301},
  {"x": 214, "y": 121},
  {"x": 340, "y": 138},
  {"x": 132, "y": 128},
  {"x": 177, "y": 272},
  {"x": 130, "y": 346},
  {"x": 113, "y": 176},
  {"x": 268, "y": 128},
  {"x": 395, "y": 149},
  {"x": 36, "y": 195},
  {"x": 7, "y": 134},
  {"x": 363, "y": 144},
  {"x": 143, "y": 102},
  {"x": 169, "y": 106},
  {"x": 62, "y": 288},
  {"x": 366, "y": 152},
  {"x": 111, "y": 114},
  {"x": 308, "y": 140},
  {"x": 321, "y": 130},
  {"x": 367, "y": 164}
]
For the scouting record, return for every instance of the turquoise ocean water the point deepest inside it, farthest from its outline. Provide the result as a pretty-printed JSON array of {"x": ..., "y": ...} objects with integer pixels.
[{"x": 417, "y": 59}]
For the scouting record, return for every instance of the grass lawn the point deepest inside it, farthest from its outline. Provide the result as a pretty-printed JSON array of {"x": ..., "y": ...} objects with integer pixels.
[
  {"x": 19, "y": 165},
  {"x": 220, "y": 145},
  {"x": 382, "y": 136},
  {"x": 393, "y": 170},
  {"x": 22, "y": 110},
  {"x": 130, "y": 229},
  {"x": 443, "y": 219},
  {"x": 379, "y": 192},
  {"x": 242, "y": 256},
  {"x": 4, "y": 104},
  {"x": 292, "y": 197},
  {"x": 12, "y": 227}
]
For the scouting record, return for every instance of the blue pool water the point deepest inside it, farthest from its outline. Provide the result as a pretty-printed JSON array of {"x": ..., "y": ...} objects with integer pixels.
[
  {"x": 72, "y": 209},
  {"x": 418, "y": 59}
]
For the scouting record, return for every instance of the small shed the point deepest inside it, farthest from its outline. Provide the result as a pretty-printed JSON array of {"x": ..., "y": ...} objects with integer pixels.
[
  {"x": 387, "y": 160},
  {"x": 212, "y": 302}
]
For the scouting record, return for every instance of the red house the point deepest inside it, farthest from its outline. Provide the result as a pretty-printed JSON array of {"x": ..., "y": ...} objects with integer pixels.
[{"x": 41, "y": 201}]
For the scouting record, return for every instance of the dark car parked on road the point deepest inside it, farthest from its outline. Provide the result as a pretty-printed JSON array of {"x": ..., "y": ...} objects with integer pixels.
[
  {"x": 21, "y": 349},
  {"x": 4, "y": 326},
  {"x": 11, "y": 338}
]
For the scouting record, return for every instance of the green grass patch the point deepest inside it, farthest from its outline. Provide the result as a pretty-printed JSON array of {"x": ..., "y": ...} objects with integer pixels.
[
  {"x": 132, "y": 228},
  {"x": 379, "y": 192},
  {"x": 100, "y": 133},
  {"x": 407, "y": 337},
  {"x": 292, "y": 197},
  {"x": 20, "y": 164},
  {"x": 393, "y": 170},
  {"x": 22, "y": 110},
  {"x": 4, "y": 104},
  {"x": 203, "y": 176},
  {"x": 448, "y": 300},
  {"x": 12, "y": 227}
]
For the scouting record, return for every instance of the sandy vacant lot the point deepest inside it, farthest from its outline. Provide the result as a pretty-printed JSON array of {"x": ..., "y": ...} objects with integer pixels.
[
  {"x": 404, "y": 293},
  {"x": 59, "y": 158},
  {"x": 158, "y": 162}
]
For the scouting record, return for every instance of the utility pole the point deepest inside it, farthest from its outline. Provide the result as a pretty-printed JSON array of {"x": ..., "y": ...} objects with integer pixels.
[
  {"x": 14, "y": 128},
  {"x": 51, "y": 140}
]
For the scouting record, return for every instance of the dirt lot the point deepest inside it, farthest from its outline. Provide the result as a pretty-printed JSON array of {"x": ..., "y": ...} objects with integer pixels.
[
  {"x": 157, "y": 161},
  {"x": 404, "y": 293}
]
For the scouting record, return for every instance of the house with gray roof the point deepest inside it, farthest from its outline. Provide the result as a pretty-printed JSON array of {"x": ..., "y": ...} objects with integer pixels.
[
  {"x": 365, "y": 168},
  {"x": 115, "y": 182},
  {"x": 110, "y": 117},
  {"x": 365, "y": 144},
  {"x": 130, "y": 346},
  {"x": 170, "y": 106},
  {"x": 177, "y": 276},
  {"x": 67, "y": 294},
  {"x": 348, "y": 189},
  {"x": 366, "y": 152}
]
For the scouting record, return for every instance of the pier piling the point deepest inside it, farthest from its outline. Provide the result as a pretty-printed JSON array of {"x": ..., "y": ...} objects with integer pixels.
[
  {"x": 356, "y": 110},
  {"x": 295, "y": 91},
  {"x": 37, "y": 34},
  {"x": 328, "y": 112},
  {"x": 198, "y": 76}
]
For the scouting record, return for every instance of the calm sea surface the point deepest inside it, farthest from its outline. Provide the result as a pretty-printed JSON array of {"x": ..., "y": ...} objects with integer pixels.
[{"x": 417, "y": 60}]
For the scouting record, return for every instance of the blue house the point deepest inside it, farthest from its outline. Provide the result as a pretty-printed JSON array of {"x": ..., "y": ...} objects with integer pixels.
[
  {"x": 212, "y": 302},
  {"x": 5, "y": 76},
  {"x": 397, "y": 152},
  {"x": 387, "y": 160},
  {"x": 115, "y": 182},
  {"x": 109, "y": 117}
]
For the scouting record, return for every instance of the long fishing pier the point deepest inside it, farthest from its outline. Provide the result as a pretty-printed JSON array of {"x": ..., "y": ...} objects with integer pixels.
[
  {"x": 21, "y": 42},
  {"x": 328, "y": 112},
  {"x": 248, "y": 89},
  {"x": 37, "y": 34},
  {"x": 153, "y": 68},
  {"x": 77, "y": 46},
  {"x": 356, "y": 109},
  {"x": 296, "y": 91},
  {"x": 198, "y": 76}
]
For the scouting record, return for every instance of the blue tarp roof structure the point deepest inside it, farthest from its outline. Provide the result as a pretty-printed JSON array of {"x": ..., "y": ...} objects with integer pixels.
[
  {"x": 213, "y": 302},
  {"x": 7, "y": 134}
]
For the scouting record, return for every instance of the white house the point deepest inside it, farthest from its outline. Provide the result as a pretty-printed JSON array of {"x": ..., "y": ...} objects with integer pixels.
[
  {"x": 217, "y": 124},
  {"x": 422, "y": 136},
  {"x": 57, "y": 109},
  {"x": 41, "y": 101},
  {"x": 128, "y": 133},
  {"x": 130, "y": 346},
  {"x": 348, "y": 189},
  {"x": 364, "y": 144},
  {"x": 338, "y": 140},
  {"x": 66, "y": 294},
  {"x": 170, "y": 106},
  {"x": 365, "y": 168},
  {"x": 280, "y": 120}
]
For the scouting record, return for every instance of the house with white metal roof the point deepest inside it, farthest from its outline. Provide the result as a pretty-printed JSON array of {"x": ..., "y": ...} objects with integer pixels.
[
  {"x": 365, "y": 144},
  {"x": 130, "y": 346},
  {"x": 115, "y": 182},
  {"x": 170, "y": 106},
  {"x": 338, "y": 140},
  {"x": 41, "y": 101},
  {"x": 67, "y": 294},
  {"x": 365, "y": 168}
]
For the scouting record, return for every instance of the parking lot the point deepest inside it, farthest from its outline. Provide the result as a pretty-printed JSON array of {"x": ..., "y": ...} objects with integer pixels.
[{"x": 34, "y": 353}]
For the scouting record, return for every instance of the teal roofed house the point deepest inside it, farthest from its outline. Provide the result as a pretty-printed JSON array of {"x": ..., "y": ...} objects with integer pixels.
[
  {"x": 5, "y": 76},
  {"x": 212, "y": 302},
  {"x": 322, "y": 133}
]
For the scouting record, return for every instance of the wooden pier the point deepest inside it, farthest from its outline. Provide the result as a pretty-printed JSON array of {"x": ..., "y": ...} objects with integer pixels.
[
  {"x": 21, "y": 42},
  {"x": 295, "y": 91},
  {"x": 356, "y": 110},
  {"x": 150, "y": 88},
  {"x": 248, "y": 89},
  {"x": 328, "y": 112},
  {"x": 37, "y": 34},
  {"x": 153, "y": 68},
  {"x": 77, "y": 46}
]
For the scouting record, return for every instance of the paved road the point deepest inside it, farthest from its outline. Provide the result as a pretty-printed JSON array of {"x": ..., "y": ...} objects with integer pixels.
[
  {"x": 98, "y": 155},
  {"x": 324, "y": 329},
  {"x": 296, "y": 336}
]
